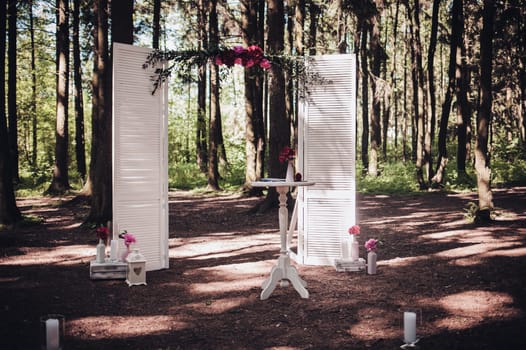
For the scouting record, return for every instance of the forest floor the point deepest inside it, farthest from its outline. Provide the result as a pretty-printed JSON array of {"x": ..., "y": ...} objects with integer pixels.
[{"x": 468, "y": 282}]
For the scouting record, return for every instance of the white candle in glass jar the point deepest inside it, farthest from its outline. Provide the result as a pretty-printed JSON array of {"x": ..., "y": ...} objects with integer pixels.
[
  {"x": 52, "y": 334},
  {"x": 409, "y": 327}
]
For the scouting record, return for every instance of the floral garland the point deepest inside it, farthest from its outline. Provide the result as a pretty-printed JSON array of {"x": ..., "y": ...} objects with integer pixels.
[{"x": 247, "y": 57}]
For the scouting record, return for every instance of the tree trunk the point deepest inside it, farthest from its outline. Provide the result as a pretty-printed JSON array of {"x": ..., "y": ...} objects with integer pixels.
[
  {"x": 9, "y": 212},
  {"x": 156, "y": 23},
  {"x": 376, "y": 134},
  {"x": 214, "y": 139},
  {"x": 249, "y": 19},
  {"x": 314, "y": 11},
  {"x": 201, "y": 139},
  {"x": 80, "y": 143},
  {"x": 454, "y": 59},
  {"x": 395, "y": 93},
  {"x": 341, "y": 39},
  {"x": 482, "y": 159},
  {"x": 279, "y": 131},
  {"x": 100, "y": 173},
  {"x": 430, "y": 134},
  {"x": 33, "y": 89},
  {"x": 365, "y": 99},
  {"x": 465, "y": 108},
  {"x": 418, "y": 89},
  {"x": 60, "y": 181},
  {"x": 12, "y": 88},
  {"x": 522, "y": 108}
]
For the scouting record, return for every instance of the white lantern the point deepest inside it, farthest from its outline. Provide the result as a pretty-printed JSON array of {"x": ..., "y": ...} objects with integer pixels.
[{"x": 136, "y": 272}]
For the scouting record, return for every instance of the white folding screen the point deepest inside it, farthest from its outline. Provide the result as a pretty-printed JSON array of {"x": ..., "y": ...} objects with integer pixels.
[
  {"x": 140, "y": 187},
  {"x": 326, "y": 155}
]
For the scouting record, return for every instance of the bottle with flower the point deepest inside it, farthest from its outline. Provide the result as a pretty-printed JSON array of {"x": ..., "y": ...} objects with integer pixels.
[
  {"x": 102, "y": 234},
  {"x": 370, "y": 245},
  {"x": 129, "y": 239},
  {"x": 288, "y": 154},
  {"x": 354, "y": 231}
]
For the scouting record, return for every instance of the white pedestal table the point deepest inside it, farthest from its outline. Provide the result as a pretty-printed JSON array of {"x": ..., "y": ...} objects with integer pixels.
[{"x": 283, "y": 271}]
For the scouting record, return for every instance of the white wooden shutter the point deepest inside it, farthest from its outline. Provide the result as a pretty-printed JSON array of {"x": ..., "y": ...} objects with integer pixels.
[
  {"x": 327, "y": 122},
  {"x": 140, "y": 187}
]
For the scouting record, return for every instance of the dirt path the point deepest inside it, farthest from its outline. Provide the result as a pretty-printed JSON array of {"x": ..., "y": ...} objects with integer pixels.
[{"x": 468, "y": 282}]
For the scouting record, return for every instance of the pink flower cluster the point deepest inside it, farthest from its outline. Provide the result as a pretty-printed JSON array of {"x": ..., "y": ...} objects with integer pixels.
[
  {"x": 286, "y": 154},
  {"x": 128, "y": 238},
  {"x": 354, "y": 230},
  {"x": 371, "y": 244},
  {"x": 247, "y": 57}
]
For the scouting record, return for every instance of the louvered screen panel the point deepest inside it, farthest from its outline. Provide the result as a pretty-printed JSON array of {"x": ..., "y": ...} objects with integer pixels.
[
  {"x": 139, "y": 156},
  {"x": 327, "y": 156}
]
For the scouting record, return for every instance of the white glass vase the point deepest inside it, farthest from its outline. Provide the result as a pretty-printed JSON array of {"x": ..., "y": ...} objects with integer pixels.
[
  {"x": 101, "y": 252},
  {"x": 371, "y": 263},
  {"x": 290, "y": 172},
  {"x": 355, "y": 250}
]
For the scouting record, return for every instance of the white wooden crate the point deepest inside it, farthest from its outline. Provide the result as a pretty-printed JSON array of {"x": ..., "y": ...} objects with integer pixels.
[{"x": 107, "y": 270}]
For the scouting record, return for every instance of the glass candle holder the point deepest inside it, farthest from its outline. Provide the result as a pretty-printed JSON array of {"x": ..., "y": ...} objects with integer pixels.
[
  {"x": 52, "y": 330},
  {"x": 411, "y": 319}
]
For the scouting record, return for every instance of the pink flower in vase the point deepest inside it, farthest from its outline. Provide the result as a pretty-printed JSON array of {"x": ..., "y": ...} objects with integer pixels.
[
  {"x": 370, "y": 245},
  {"x": 354, "y": 230},
  {"x": 286, "y": 154},
  {"x": 103, "y": 233}
]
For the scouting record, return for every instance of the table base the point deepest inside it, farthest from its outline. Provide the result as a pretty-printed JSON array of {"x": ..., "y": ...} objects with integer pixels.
[{"x": 282, "y": 273}]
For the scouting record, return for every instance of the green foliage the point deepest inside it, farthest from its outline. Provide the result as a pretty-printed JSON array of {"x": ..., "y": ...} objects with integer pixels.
[
  {"x": 33, "y": 182},
  {"x": 394, "y": 178},
  {"x": 508, "y": 172},
  {"x": 185, "y": 176}
]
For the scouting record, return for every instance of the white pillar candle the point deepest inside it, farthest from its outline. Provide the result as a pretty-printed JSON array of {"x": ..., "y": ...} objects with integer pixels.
[
  {"x": 113, "y": 250},
  {"x": 52, "y": 334},
  {"x": 409, "y": 327}
]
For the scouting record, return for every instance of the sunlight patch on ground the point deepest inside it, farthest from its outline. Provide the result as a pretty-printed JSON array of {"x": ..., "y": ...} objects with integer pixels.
[
  {"x": 219, "y": 305},
  {"x": 124, "y": 326},
  {"x": 407, "y": 261},
  {"x": 374, "y": 322},
  {"x": 64, "y": 255},
  {"x": 470, "y": 308},
  {"x": 474, "y": 249},
  {"x": 233, "y": 278},
  {"x": 217, "y": 247},
  {"x": 478, "y": 259}
]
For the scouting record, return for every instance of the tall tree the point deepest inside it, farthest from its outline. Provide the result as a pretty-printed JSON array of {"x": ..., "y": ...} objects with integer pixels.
[
  {"x": 34, "y": 141},
  {"x": 80, "y": 142},
  {"x": 60, "y": 180},
  {"x": 314, "y": 12},
  {"x": 156, "y": 23},
  {"x": 464, "y": 105},
  {"x": 254, "y": 133},
  {"x": 279, "y": 131},
  {"x": 12, "y": 88},
  {"x": 522, "y": 50},
  {"x": 364, "y": 30},
  {"x": 431, "y": 116},
  {"x": 215, "y": 111},
  {"x": 9, "y": 212},
  {"x": 418, "y": 88},
  {"x": 453, "y": 70},
  {"x": 201, "y": 135},
  {"x": 99, "y": 183},
  {"x": 482, "y": 159},
  {"x": 377, "y": 53}
]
